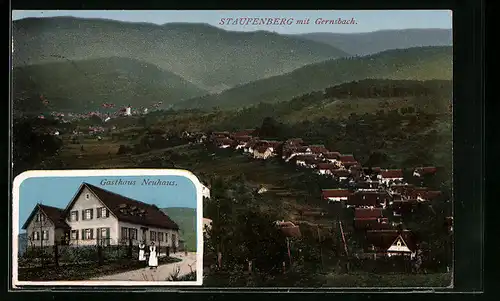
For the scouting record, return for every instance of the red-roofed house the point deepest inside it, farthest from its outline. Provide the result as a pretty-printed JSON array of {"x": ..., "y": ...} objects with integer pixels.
[
  {"x": 380, "y": 223},
  {"x": 389, "y": 175},
  {"x": 289, "y": 229},
  {"x": 326, "y": 168},
  {"x": 368, "y": 213},
  {"x": 332, "y": 157},
  {"x": 341, "y": 174},
  {"x": 336, "y": 195},
  {"x": 251, "y": 145},
  {"x": 304, "y": 160},
  {"x": 424, "y": 196},
  {"x": 247, "y": 132},
  {"x": 371, "y": 218},
  {"x": 369, "y": 199},
  {"x": 318, "y": 149},
  {"x": 346, "y": 158},
  {"x": 224, "y": 142},
  {"x": 422, "y": 171}
]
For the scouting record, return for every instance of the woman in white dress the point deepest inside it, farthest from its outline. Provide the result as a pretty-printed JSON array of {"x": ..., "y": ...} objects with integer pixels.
[
  {"x": 141, "y": 252},
  {"x": 153, "y": 257}
]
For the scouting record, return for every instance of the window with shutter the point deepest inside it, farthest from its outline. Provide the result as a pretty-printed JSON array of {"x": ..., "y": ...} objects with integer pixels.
[
  {"x": 124, "y": 233},
  {"x": 107, "y": 212},
  {"x": 83, "y": 215},
  {"x": 99, "y": 212},
  {"x": 83, "y": 234},
  {"x": 91, "y": 233}
]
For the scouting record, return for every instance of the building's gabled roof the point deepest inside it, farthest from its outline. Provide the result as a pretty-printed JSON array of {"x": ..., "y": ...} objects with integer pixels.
[
  {"x": 272, "y": 143},
  {"x": 425, "y": 170},
  {"x": 429, "y": 195},
  {"x": 368, "y": 213},
  {"x": 54, "y": 214},
  {"x": 331, "y": 155},
  {"x": 336, "y": 193},
  {"x": 242, "y": 138},
  {"x": 262, "y": 149},
  {"x": 327, "y": 166},
  {"x": 247, "y": 132},
  {"x": 383, "y": 239},
  {"x": 341, "y": 173},
  {"x": 129, "y": 210},
  {"x": 318, "y": 149},
  {"x": 294, "y": 141},
  {"x": 350, "y": 163},
  {"x": 304, "y": 157},
  {"x": 289, "y": 229},
  {"x": 391, "y": 173},
  {"x": 372, "y": 223},
  {"x": 347, "y": 158}
]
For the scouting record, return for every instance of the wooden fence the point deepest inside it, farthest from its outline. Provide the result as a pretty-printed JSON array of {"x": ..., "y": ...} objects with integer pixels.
[{"x": 99, "y": 252}]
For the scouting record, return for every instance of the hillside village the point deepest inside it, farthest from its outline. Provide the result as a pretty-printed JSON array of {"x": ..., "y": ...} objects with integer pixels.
[{"x": 379, "y": 199}]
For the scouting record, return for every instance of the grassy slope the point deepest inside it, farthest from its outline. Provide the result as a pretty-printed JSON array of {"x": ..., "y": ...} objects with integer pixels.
[
  {"x": 207, "y": 56},
  {"x": 186, "y": 220},
  {"x": 377, "y": 41},
  {"x": 423, "y": 63},
  {"x": 85, "y": 85}
]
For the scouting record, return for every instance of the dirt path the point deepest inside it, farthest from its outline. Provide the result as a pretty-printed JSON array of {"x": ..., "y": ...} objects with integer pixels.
[{"x": 162, "y": 273}]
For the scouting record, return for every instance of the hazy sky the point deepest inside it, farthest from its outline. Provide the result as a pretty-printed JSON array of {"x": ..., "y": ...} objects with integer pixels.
[
  {"x": 366, "y": 21},
  {"x": 58, "y": 192}
]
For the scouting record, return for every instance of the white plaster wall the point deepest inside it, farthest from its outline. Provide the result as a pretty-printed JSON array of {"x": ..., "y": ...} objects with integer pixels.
[
  {"x": 93, "y": 203},
  {"x": 46, "y": 225}
]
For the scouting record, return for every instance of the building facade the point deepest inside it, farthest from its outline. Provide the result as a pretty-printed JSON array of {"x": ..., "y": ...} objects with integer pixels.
[{"x": 97, "y": 216}]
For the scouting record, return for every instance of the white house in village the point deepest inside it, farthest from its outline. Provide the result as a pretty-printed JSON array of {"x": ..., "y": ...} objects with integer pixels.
[
  {"x": 205, "y": 191},
  {"x": 336, "y": 195},
  {"x": 207, "y": 224},
  {"x": 262, "y": 152},
  {"x": 97, "y": 216},
  {"x": 128, "y": 111},
  {"x": 390, "y": 175}
]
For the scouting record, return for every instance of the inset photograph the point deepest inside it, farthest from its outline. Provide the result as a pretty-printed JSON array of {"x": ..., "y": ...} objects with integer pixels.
[{"x": 102, "y": 227}]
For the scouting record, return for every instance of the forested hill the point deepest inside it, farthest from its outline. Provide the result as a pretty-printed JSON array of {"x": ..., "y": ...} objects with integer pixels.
[
  {"x": 372, "y": 42},
  {"x": 85, "y": 85},
  {"x": 209, "y": 57},
  {"x": 422, "y": 63}
]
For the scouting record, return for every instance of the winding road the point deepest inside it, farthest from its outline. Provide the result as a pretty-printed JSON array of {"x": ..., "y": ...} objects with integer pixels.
[{"x": 162, "y": 273}]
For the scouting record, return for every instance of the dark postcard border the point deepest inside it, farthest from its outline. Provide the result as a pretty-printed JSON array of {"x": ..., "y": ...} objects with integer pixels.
[{"x": 468, "y": 129}]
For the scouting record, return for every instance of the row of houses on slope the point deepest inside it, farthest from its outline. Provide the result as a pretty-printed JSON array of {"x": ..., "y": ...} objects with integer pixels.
[{"x": 377, "y": 196}]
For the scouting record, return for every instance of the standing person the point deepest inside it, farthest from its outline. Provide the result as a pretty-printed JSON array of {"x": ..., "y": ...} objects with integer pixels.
[
  {"x": 153, "y": 257},
  {"x": 141, "y": 252}
]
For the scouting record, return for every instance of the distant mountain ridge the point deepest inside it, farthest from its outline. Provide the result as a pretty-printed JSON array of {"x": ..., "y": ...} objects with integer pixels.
[
  {"x": 185, "y": 218},
  {"x": 377, "y": 41},
  {"x": 421, "y": 63},
  {"x": 211, "y": 58}
]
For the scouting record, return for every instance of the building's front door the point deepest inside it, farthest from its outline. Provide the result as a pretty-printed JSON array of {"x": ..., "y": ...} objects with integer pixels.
[{"x": 144, "y": 235}]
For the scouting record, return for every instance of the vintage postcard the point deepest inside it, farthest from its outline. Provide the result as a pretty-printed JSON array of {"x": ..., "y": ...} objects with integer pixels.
[
  {"x": 322, "y": 139},
  {"x": 107, "y": 227}
]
